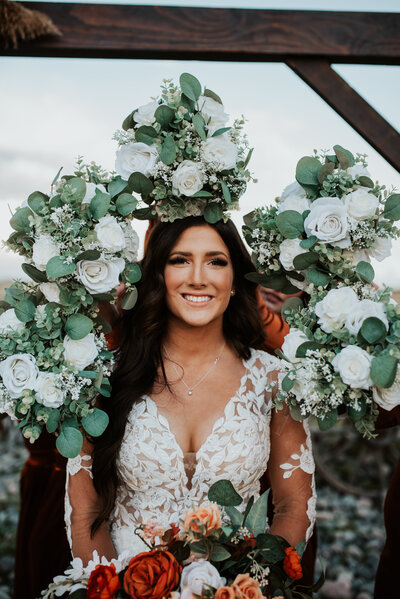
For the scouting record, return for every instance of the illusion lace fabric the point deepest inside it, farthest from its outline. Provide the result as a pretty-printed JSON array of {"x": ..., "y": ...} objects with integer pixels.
[{"x": 160, "y": 483}]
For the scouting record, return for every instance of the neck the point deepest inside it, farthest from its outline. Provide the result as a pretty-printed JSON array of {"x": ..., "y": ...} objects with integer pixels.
[{"x": 191, "y": 342}]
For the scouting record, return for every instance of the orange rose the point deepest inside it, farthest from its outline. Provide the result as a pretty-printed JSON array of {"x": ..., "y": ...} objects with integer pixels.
[
  {"x": 152, "y": 575},
  {"x": 225, "y": 593},
  {"x": 204, "y": 520},
  {"x": 103, "y": 583},
  {"x": 246, "y": 587},
  {"x": 291, "y": 564}
]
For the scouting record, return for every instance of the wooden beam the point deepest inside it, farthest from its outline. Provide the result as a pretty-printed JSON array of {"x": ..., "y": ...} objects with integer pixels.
[
  {"x": 319, "y": 75},
  {"x": 115, "y": 31}
]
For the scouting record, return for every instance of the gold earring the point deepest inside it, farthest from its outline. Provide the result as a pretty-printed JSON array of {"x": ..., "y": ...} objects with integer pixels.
[{"x": 232, "y": 292}]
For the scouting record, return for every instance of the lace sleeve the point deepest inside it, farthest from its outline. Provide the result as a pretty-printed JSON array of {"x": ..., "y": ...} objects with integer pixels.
[
  {"x": 291, "y": 470},
  {"x": 82, "y": 505}
]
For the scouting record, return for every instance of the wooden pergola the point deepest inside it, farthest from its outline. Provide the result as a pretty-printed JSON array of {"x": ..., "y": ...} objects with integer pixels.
[{"x": 307, "y": 41}]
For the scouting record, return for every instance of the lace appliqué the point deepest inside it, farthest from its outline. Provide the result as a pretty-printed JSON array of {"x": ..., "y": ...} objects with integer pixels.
[
  {"x": 76, "y": 464},
  {"x": 305, "y": 459}
]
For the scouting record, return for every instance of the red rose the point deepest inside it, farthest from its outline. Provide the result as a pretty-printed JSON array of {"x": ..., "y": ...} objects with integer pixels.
[
  {"x": 103, "y": 583},
  {"x": 291, "y": 564},
  {"x": 152, "y": 575}
]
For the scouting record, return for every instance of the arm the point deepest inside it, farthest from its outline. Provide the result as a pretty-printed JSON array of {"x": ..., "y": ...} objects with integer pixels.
[{"x": 82, "y": 505}]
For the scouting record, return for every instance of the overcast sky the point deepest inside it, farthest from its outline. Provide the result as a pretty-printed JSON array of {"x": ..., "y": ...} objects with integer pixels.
[{"x": 51, "y": 110}]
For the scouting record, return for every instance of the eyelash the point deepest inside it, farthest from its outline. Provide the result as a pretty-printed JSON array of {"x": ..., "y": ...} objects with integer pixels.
[{"x": 182, "y": 260}]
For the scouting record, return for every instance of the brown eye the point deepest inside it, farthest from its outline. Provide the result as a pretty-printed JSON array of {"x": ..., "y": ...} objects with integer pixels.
[
  {"x": 177, "y": 260},
  {"x": 219, "y": 262}
]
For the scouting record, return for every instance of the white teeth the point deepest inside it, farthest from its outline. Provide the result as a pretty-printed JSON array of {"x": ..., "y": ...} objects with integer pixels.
[{"x": 197, "y": 298}]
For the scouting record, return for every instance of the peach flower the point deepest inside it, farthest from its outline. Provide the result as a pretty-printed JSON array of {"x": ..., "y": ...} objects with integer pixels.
[
  {"x": 225, "y": 593},
  {"x": 246, "y": 587},
  {"x": 204, "y": 520}
]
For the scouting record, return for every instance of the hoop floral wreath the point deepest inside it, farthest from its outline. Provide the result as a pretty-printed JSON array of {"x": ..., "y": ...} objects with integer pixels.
[
  {"x": 79, "y": 244},
  {"x": 325, "y": 226},
  {"x": 179, "y": 155}
]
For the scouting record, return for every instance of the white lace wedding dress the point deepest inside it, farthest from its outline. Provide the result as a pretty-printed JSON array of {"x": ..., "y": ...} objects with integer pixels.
[{"x": 160, "y": 482}]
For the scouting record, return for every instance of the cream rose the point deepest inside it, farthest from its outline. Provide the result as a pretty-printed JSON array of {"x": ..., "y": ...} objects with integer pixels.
[
  {"x": 334, "y": 308},
  {"x": 364, "y": 309},
  {"x": 213, "y": 113},
  {"x": 131, "y": 243},
  {"x": 50, "y": 291},
  {"x": 292, "y": 341},
  {"x": 354, "y": 365},
  {"x": 80, "y": 352},
  {"x": 220, "y": 151},
  {"x": 388, "y": 398},
  {"x": 381, "y": 249},
  {"x": 197, "y": 574},
  {"x": 19, "y": 372},
  {"x": 110, "y": 234},
  {"x": 43, "y": 249},
  {"x": 48, "y": 390},
  {"x": 9, "y": 323},
  {"x": 293, "y": 197},
  {"x": 361, "y": 204},
  {"x": 288, "y": 250},
  {"x": 187, "y": 179},
  {"x": 99, "y": 276},
  {"x": 135, "y": 157},
  {"x": 144, "y": 115},
  {"x": 328, "y": 222},
  {"x": 91, "y": 191}
]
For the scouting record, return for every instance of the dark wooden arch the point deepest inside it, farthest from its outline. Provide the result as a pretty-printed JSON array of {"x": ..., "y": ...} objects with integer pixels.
[{"x": 307, "y": 41}]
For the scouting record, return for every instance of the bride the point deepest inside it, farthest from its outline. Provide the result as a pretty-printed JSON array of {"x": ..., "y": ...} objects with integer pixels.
[{"x": 191, "y": 402}]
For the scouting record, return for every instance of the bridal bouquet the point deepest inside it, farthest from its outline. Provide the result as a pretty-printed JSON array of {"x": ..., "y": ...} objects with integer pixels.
[
  {"x": 216, "y": 552},
  {"x": 179, "y": 154},
  {"x": 344, "y": 351},
  {"x": 324, "y": 227}
]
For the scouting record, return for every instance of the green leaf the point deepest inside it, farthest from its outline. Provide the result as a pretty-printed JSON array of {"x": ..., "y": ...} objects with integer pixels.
[
  {"x": 210, "y": 94},
  {"x": 76, "y": 187},
  {"x": 290, "y": 224},
  {"x": 308, "y": 243},
  {"x": 88, "y": 255},
  {"x": 116, "y": 186},
  {"x": 373, "y": 330},
  {"x": 141, "y": 184},
  {"x": 126, "y": 204},
  {"x": 200, "y": 125},
  {"x": 292, "y": 303},
  {"x": 328, "y": 421},
  {"x": 288, "y": 383},
  {"x": 168, "y": 150},
  {"x": 219, "y": 553},
  {"x": 130, "y": 299},
  {"x": 53, "y": 420},
  {"x": 69, "y": 442},
  {"x": 213, "y": 213},
  {"x": 300, "y": 547},
  {"x": 57, "y": 267},
  {"x": 95, "y": 423},
  {"x": 249, "y": 217},
  {"x": 272, "y": 548},
  {"x": 383, "y": 370},
  {"x": 223, "y": 493},
  {"x": 103, "y": 297},
  {"x": 303, "y": 261},
  {"x": 202, "y": 194},
  {"x": 318, "y": 278},
  {"x": 128, "y": 122},
  {"x": 305, "y": 347},
  {"x": 78, "y": 594},
  {"x": 190, "y": 86},
  {"x": 25, "y": 310},
  {"x": 88, "y": 374},
  {"x": 164, "y": 115},
  {"x": 249, "y": 505},
  {"x": 235, "y": 516},
  {"x": 307, "y": 170},
  {"x": 34, "y": 273},
  {"x": 198, "y": 546},
  {"x": 37, "y": 201},
  {"x": 344, "y": 157},
  {"x": 56, "y": 177},
  {"x": 226, "y": 192},
  {"x": 257, "y": 519},
  {"x": 100, "y": 204},
  {"x": 366, "y": 181},
  {"x": 356, "y": 415},
  {"x": 104, "y": 324},
  {"x": 55, "y": 201},
  {"x": 221, "y": 131},
  {"x": 325, "y": 170},
  {"x": 248, "y": 157},
  {"x": 78, "y": 326},
  {"x": 20, "y": 219},
  {"x": 132, "y": 272},
  {"x": 145, "y": 214},
  {"x": 392, "y": 207},
  {"x": 365, "y": 271},
  {"x": 146, "y": 134}
]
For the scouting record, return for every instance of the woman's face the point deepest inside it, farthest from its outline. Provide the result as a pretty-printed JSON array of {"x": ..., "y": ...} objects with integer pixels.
[{"x": 198, "y": 277}]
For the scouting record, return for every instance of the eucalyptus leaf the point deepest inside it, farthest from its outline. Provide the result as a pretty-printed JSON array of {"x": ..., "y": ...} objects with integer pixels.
[
  {"x": 290, "y": 224},
  {"x": 356, "y": 415},
  {"x": 223, "y": 493},
  {"x": 20, "y": 219},
  {"x": 168, "y": 150},
  {"x": 328, "y": 421},
  {"x": 248, "y": 218},
  {"x": 25, "y": 310},
  {"x": 200, "y": 124},
  {"x": 366, "y": 181},
  {"x": 225, "y": 191},
  {"x": 69, "y": 442},
  {"x": 78, "y": 594},
  {"x": 219, "y": 553},
  {"x": 190, "y": 86},
  {"x": 164, "y": 115},
  {"x": 146, "y": 134},
  {"x": 88, "y": 255},
  {"x": 58, "y": 267},
  {"x": 308, "y": 243},
  {"x": 53, "y": 420},
  {"x": 128, "y": 122},
  {"x": 345, "y": 157},
  {"x": 100, "y": 204},
  {"x": 116, "y": 186},
  {"x": 34, "y": 273},
  {"x": 300, "y": 547},
  {"x": 383, "y": 370},
  {"x": 96, "y": 422},
  {"x": 292, "y": 303},
  {"x": 56, "y": 177},
  {"x": 145, "y": 214},
  {"x": 202, "y": 194},
  {"x": 213, "y": 213},
  {"x": 373, "y": 330},
  {"x": 130, "y": 299},
  {"x": 288, "y": 383},
  {"x": 391, "y": 210},
  {"x": 303, "y": 348},
  {"x": 221, "y": 131},
  {"x": 37, "y": 201},
  {"x": 325, "y": 170},
  {"x": 132, "y": 272},
  {"x": 234, "y": 514},
  {"x": 248, "y": 157},
  {"x": 271, "y": 548},
  {"x": 365, "y": 271},
  {"x": 104, "y": 324},
  {"x": 126, "y": 204},
  {"x": 307, "y": 170},
  {"x": 76, "y": 187},
  {"x": 303, "y": 261},
  {"x": 141, "y": 184},
  {"x": 78, "y": 326},
  {"x": 210, "y": 94},
  {"x": 317, "y": 277}
]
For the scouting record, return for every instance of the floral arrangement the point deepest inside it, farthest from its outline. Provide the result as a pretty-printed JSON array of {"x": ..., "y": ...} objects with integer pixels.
[
  {"x": 216, "y": 552},
  {"x": 78, "y": 244},
  {"x": 344, "y": 351},
  {"x": 325, "y": 227},
  {"x": 179, "y": 155}
]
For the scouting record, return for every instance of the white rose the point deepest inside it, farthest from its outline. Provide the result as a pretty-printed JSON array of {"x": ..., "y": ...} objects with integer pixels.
[
  {"x": 197, "y": 574},
  {"x": 293, "y": 202},
  {"x": 353, "y": 364},
  {"x": 110, "y": 234},
  {"x": 43, "y": 249},
  {"x": 50, "y": 291},
  {"x": 9, "y": 323},
  {"x": 333, "y": 310},
  {"x": 361, "y": 204},
  {"x": 213, "y": 113},
  {"x": 358, "y": 170},
  {"x": 48, "y": 392},
  {"x": 187, "y": 178},
  {"x": 91, "y": 191},
  {"x": 131, "y": 243},
  {"x": 388, "y": 398},
  {"x": 292, "y": 341},
  {"x": 381, "y": 249},
  {"x": 19, "y": 372},
  {"x": 288, "y": 250},
  {"x": 365, "y": 308},
  {"x": 135, "y": 157},
  {"x": 294, "y": 189},
  {"x": 220, "y": 151},
  {"x": 80, "y": 352},
  {"x": 144, "y": 115},
  {"x": 328, "y": 222},
  {"x": 99, "y": 276}
]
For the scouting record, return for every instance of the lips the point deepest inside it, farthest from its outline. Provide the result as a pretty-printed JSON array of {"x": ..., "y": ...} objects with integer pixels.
[{"x": 197, "y": 299}]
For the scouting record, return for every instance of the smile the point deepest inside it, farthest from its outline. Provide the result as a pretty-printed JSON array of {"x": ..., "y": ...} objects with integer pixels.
[{"x": 197, "y": 299}]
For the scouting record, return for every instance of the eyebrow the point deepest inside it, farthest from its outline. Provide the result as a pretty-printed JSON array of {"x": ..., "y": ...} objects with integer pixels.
[{"x": 212, "y": 253}]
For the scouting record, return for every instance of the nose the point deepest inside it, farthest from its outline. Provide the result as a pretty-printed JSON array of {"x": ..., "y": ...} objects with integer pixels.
[{"x": 198, "y": 275}]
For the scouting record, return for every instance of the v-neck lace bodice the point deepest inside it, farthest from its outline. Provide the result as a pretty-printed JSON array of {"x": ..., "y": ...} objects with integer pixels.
[{"x": 151, "y": 464}]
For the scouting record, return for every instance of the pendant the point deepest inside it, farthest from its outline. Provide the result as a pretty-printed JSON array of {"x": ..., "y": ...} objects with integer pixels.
[{"x": 190, "y": 392}]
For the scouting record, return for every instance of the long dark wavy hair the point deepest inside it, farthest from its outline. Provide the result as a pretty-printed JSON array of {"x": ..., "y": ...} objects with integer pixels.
[{"x": 139, "y": 358}]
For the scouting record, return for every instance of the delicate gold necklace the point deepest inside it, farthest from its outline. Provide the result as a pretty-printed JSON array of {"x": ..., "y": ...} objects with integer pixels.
[{"x": 190, "y": 389}]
